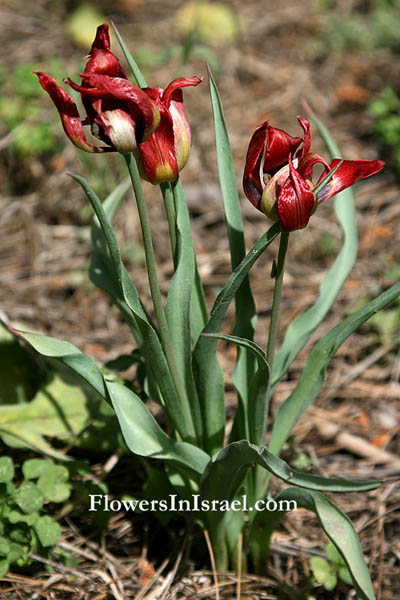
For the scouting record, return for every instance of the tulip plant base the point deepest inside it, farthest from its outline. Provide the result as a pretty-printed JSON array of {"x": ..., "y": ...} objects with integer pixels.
[{"x": 361, "y": 394}]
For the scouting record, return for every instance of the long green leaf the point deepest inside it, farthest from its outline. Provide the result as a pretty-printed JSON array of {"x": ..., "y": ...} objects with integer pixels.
[
  {"x": 225, "y": 474},
  {"x": 312, "y": 377},
  {"x": 142, "y": 434},
  {"x": 244, "y": 302},
  {"x": 178, "y": 305},
  {"x": 340, "y": 531},
  {"x": 111, "y": 275},
  {"x": 225, "y": 471},
  {"x": 300, "y": 331},
  {"x": 258, "y": 387},
  {"x": 254, "y": 348},
  {"x": 207, "y": 370}
]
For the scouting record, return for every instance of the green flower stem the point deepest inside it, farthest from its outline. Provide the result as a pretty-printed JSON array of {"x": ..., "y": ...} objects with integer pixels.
[
  {"x": 156, "y": 296},
  {"x": 261, "y": 477},
  {"x": 273, "y": 328},
  {"x": 169, "y": 204}
]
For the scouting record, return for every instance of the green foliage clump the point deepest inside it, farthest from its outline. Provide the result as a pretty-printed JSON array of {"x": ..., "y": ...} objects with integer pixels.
[
  {"x": 366, "y": 30},
  {"x": 21, "y": 104},
  {"x": 327, "y": 571},
  {"x": 25, "y": 528},
  {"x": 386, "y": 113}
]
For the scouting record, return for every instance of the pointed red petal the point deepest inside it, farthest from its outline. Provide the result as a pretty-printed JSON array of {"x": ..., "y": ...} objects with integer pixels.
[
  {"x": 307, "y": 164},
  {"x": 68, "y": 112},
  {"x": 347, "y": 174},
  {"x": 307, "y": 136},
  {"x": 279, "y": 146},
  {"x": 138, "y": 102},
  {"x": 252, "y": 184},
  {"x": 156, "y": 156},
  {"x": 102, "y": 61},
  {"x": 170, "y": 92},
  {"x": 295, "y": 202},
  {"x": 102, "y": 39}
]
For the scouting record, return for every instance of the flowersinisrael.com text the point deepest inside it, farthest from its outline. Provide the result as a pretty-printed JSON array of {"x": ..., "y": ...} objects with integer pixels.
[{"x": 195, "y": 504}]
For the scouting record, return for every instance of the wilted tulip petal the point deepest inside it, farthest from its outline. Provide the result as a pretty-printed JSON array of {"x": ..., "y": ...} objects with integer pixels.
[
  {"x": 296, "y": 201},
  {"x": 119, "y": 113},
  {"x": 150, "y": 122},
  {"x": 68, "y": 112},
  {"x": 166, "y": 151},
  {"x": 269, "y": 149},
  {"x": 132, "y": 100},
  {"x": 347, "y": 174},
  {"x": 278, "y": 175}
]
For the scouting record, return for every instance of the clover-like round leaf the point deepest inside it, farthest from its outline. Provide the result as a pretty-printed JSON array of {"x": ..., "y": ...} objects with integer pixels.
[
  {"x": 4, "y": 567},
  {"x": 54, "y": 484},
  {"x": 33, "y": 468},
  {"x": 17, "y": 551},
  {"x": 4, "y": 546},
  {"x": 28, "y": 497},
  {"x": 47, "y": 530},
  {"x": 6, "y": 469},
  {"x": 16, "y": 516}
]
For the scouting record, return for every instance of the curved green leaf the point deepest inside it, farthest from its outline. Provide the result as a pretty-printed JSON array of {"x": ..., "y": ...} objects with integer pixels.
[
  {"x": 178, "y": 307},
  {"x": 245, "y": 309},
  {"x": 109, "y": 273},
  {"x": 258, "y": 387},
  {"x": 143, "y": 435},
  {"x": 300, "y": 331},
  {"x": 226, "y": 470},
  {"x": 340, "y": 531},
  {"x": 254, "y": 348},
  {"x": 205, "y": 364},
  {"x": 141, "y": 432},
  {"x": 313, "y": 374}
]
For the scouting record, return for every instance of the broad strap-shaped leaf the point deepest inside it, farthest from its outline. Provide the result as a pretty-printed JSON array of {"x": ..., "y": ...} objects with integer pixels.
[
  {"x": 339, "y": 530},
  {"x": 109, "y": 273},
  {"x": 198, "y": 306},
  {"x": 244, "y": 302},
  {"x": 178, "y": 306},
  {"x": 258, "y": 387},
  {"x": 313, "y": 374},
  {"x": 142, "y": 434},
  {"x": 207, "y": 371},
  {"x": 300, "y": 331},
  {"x": 225, "y": 471}
]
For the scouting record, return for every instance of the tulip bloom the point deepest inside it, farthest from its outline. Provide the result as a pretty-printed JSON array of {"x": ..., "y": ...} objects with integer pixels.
[
  {"x": 150, "y": 122},
  {"x": 121, "y": 115},
  {"x": 278, "y": 175}
]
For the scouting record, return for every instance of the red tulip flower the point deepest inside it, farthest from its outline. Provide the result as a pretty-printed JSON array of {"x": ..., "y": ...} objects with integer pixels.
[
  {"x": 119, "y": 113},
  {"x": 150, "y": 122},
  {"x": 278, "y": 175}
]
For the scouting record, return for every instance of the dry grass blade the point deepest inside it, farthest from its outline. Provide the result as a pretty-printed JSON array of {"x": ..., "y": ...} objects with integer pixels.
[{"x": 212, "y": 560}]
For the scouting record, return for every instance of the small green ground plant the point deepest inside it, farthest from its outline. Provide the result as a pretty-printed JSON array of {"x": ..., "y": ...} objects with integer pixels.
[
  {"x": 385, "y": 111},
  {"x": 25, "y": 526}
]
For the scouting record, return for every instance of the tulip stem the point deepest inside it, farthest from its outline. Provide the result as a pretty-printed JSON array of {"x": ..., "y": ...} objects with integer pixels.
[
  {"x": 273, "y": 327},
  {"x": 169, "y": 204},
  {"x": 165, "y": 339}
]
